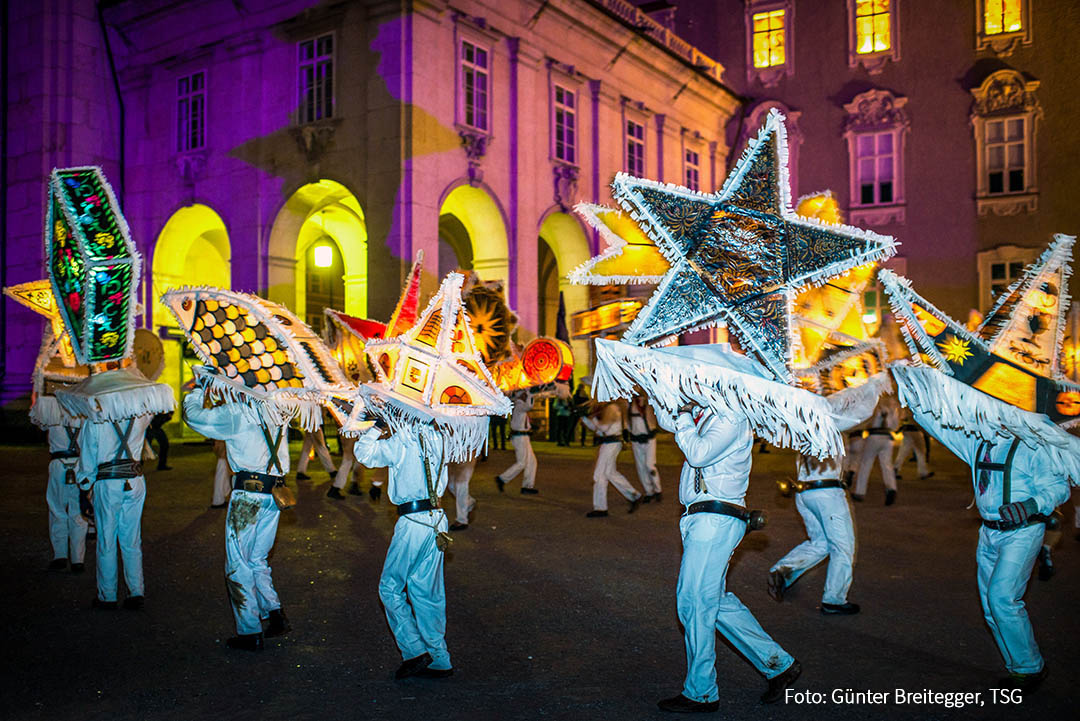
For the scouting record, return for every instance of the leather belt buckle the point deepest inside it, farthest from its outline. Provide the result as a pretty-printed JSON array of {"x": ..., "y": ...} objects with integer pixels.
[{"x": 253, "y": 486}]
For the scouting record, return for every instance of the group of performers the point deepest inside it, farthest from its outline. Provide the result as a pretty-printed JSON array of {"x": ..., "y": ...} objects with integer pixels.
[{"x": 424, "y": 416}]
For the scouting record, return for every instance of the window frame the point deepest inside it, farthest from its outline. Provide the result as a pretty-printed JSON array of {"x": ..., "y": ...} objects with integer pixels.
[
  {"x": 558, "y": 84},
  {"x": 640, "y": 142},
  {"x": 180, "y": 98},
  {"x": 770, "y": 76},
  {"x": 695, "y": 167},
  {"x": 1003, "y": 96},
  {"x": 460, "y": 67},
  {"x": 1005, "y": 255},
  {"x": 873, "y": 62},
  {"x": 877, "y": 112},
  {"x": 300, "y": 95},
  {"x": 1004, "y": 43}
]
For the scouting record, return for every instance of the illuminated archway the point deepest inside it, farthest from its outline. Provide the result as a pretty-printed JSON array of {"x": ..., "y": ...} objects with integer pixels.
[
  {"x": 566, "y": 239},
  {"x": 192, "y": 249},
  {"x": 482, "y": 220},
  {"x": 325, "y": 212}
]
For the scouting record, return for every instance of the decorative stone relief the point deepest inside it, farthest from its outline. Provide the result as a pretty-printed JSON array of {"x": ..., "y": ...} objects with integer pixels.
[{"x": 565, "y": 181}]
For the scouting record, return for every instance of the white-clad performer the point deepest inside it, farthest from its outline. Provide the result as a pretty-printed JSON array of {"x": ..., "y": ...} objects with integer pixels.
[
  {"x": 520, "y": 439},
  {"x": 712, "y": 486},
  {"x": 67, "y": 527},
  {"x": 607, "y": 423},
  {"x": 459, "y": 476},
  {"x": 109, "y": 469},
  {"x": 411, "y": 587},
  {"x": 913, "y": 441},
  {"x": 878, "y": 445},
  {"x": 258, "y": 454},
  {"x": 822, "y": 503},
  {"x": 642, "y": 429},
  {"x": 317, "y": 441},
  {"x": 1017, "y": 487}
]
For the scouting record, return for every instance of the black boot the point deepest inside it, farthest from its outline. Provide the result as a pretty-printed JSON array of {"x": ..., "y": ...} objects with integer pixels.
[
  {"x": 777, "y": 684},
  {"x": 354, "y": 489},
  {"x": 375, "y": 493},
  {"x": 1046, "y": 564},
  {"x": 335, "y": 493},
  {"x": 58, "y": 564},
  {"x": 839, "y": 609},
  {"x": 412, "y": 666},
  {"x": 134, "y": 603},
  {"x": 246, "y": 642},
  {"x": 778, "y": 583},
  {"x": 278, "y": 624}
]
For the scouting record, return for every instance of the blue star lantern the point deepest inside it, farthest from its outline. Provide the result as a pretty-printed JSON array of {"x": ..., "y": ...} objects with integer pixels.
[{"x": 739, "y": 257}]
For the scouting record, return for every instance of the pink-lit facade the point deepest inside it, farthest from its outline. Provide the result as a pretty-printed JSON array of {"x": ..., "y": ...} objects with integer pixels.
[{"x": 467, "y": 131}]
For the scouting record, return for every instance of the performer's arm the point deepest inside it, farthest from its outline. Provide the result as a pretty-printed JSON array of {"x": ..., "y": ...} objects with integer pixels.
[
  {"x": 375, "y": 452},
  {"x": 1052, "y": 488},
  {"x": 89, "y": 441},
  {"x": 960, "y": 443},
  {"x": 704, "y": 449},
  {"x": 220, "y": 422}
]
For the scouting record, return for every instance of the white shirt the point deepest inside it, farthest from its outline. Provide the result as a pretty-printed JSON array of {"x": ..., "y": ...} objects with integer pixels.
[
  {"x": 240, "y": 427},
  {"x": 519, "y": 418},
  {"x": 99, "y": 442},
  {"x": 811, "y": 469},
  {"x": 402, "y": 455},
  {"x": 720, "y": 448},
  {"x": 1032, "y": 475}
]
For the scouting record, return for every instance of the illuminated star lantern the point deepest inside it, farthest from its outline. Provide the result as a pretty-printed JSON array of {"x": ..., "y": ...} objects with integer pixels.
[
  {"x": 629, "y": 257},
  {"x": 833, "y": 307},
  {"x": 740, "y": 256},
  {"x": 263, "y": 354},
  {"x": 37, "y": 295},
  {"x": 93, "y": 265},
  {"x": 434, "y": 373},
  {"x": 1015, "y": 354}
]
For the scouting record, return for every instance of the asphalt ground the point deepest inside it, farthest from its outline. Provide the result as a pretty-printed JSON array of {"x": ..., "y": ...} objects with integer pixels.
[{"x": 551, "y": 615}]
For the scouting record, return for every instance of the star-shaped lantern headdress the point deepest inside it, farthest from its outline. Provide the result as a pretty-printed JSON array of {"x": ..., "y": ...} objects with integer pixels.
[
  {"x": 741, "y": 255},
  {"x": 432, "y": 377},
  {"x": 1004, "y": 378}
]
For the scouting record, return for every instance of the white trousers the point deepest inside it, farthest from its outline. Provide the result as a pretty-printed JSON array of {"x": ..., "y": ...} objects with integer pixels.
[
  {"x": 705, "y": 607},
  {"x": 524, "y": 460},
  {"x": 645, "y": 460},
  {"x": 828, "y": 522},
  {"x": 912, "y": 441},
  {"x": 877, "y": 447},
  {"x": 412, "y": 588},
  {"x": 853, "y": 446},
  {"x": 118, "y": 515},
  {"x": 348, "y": 464},
  {"x": 222, "y": 481},
  {"x": 67, "y": 527},
  {"x": 1005, "y": 561},
  {"x": 250, "y": 530},
  {"x": 605, "y": 472},
  {"x": 318, "y": 442},
  {"x": 459, "y": 476}
]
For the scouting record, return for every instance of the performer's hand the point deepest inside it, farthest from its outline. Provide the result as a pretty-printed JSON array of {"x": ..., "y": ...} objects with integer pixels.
[
  {"x": 86, "y": 505},
  {"x": 687, "y": 408},
  {"x": 1018, "y": 512}
]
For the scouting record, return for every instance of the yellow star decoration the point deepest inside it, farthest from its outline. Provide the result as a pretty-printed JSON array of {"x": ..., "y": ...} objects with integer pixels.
[{"x": 956, "y": 349}]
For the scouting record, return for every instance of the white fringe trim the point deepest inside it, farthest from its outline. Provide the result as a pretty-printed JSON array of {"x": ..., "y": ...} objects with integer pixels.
[
  {"x": 852, "y": 406},
  {"x": 961, "y": 407},
  {"x": 785, "y": 416},
  {"x": 277, "y": 408},
  {"x": 116, "y": 395},
  {"x": 615, "y": 244},
  {"x": 47, "y": 412}
]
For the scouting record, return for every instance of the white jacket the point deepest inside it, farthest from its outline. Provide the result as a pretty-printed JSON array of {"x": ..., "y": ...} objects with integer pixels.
[
  {"x": 240, "y": 428},
  {"x": 402, "y": 455}
]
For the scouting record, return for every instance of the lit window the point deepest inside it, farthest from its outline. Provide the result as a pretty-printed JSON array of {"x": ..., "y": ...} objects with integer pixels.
[
  {"x": 872, "y": 26},
  {"x": 191, "y": 112},
  {"x": 693, "y": 170},
  {"x": 316, "y": 71},
  {"x": 1002, "y": 16},
  {"x": 635, "y": 148},
  {"x": 876, "y": 167},
  {"x": 565, "y": 124},
  {"x": 1003, "y": 121},
  {"x": 999, "y": 268},
  {"x": 475, "y": 74},
  {"x": 1005, "y": 156},
  {"x": 768, "y": 39}
]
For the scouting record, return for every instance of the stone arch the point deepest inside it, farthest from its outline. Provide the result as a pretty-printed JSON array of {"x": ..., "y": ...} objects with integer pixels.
[
  {"x": 567, "y": 240},
  {"x": 319, "y": 212},
  {"x": 478, "y": 212}
]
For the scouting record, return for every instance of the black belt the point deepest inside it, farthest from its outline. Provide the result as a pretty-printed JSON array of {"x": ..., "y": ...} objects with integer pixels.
[
  {"x": 910, "y": 427},
  {"x": 600, "y": 440},
  {"x": 722, "y": 507},
  {"x": 854, "y": 434},
  {"x": 1007, "y": 526},
  {"x": 800, "y": 486},
  {"x": 642, "y": 437},
  {"x": 520, "y": 433},
  {"x": 255, "y": 482},
  {"x": 63, "y": 455},
  {"x": 880, "y": 432},
  {"x": 424, "y": 504},
  {"x": 121, "y": 470}
]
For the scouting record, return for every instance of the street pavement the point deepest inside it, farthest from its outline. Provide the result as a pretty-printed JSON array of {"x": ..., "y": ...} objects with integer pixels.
[{"x": 551, "y": 615}]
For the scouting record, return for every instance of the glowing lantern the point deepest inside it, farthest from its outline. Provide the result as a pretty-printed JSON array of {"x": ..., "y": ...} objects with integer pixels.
[
  {"x": 93, "y": 266},
  {"x": 547, "y": 360},
  {"x": 37, "y": 295}
]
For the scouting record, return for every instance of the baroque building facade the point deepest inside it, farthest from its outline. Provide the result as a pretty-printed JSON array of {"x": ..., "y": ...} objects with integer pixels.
[{"x": 307, "y": 150}]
